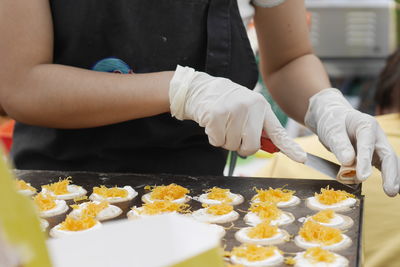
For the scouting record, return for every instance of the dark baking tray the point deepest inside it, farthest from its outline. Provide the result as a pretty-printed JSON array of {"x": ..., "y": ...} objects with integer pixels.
[{"x": 243, "y": 185}]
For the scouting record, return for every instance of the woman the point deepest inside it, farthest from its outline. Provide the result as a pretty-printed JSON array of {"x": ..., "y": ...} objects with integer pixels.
[{"x": 63, "y": 83}]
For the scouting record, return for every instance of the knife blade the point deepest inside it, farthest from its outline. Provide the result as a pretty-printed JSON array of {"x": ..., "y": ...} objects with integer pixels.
[{"x": 319, "y": 164}]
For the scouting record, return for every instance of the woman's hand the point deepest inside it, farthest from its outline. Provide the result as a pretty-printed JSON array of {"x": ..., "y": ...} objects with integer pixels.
[{"x": 233, "y": 116}]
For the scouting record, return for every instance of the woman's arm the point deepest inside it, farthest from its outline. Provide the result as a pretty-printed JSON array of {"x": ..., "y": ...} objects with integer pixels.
[
  {"x": 35, "y": 91},
  {"x": 289, "y": 68}
]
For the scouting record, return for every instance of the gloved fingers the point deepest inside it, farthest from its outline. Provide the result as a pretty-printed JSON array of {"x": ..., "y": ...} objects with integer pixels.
[
  {"x": 251, "y": 132},
  {"x": 216, "y": 126},
  {"x": 365, "y": 132},
  {"x": 339, "y": 144},
  {"x": 279, "y": 137},
  {"x": 236, "y": 123},
  {"x": 390, "y": 168}
]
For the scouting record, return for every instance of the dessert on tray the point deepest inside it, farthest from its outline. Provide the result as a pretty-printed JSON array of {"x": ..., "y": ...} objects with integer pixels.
[
  {"x": 101, "y": 210},
  {"x": 319, "y": 257},
  {"x": 221, "y": 213},
  {"x": 329, "y": 198},
  {"x": 64, "y": 190},
  {"x": 282, "y": 197},
  {"x": 256, "y": 255},
  {"x": 332, "y": 219},
  {"x": 262, "y": 234},
  {"x": 25, "y": 188},
  {"x": 218, "y": 195},
  {"x": 267, "y": 211},
  {"x": 157, "y": 208},
  {"x": 172, "y": 192}
]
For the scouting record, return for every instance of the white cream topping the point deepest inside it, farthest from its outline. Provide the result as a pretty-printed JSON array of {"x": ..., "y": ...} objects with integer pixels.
[
  {"x": 236, "y": 199},
  {"x": 301, "y": 242},
  {"x": 253, "y": 219},
  {"x": 131, "y": 195},
  {"x": 147, "y": 199},
  {"x": 336, "y": 221},
  {"x": 203, "y": 216},
  {"x": 302, "y": 261},
  {"x": 136, "y": 213},
  {"x": 284, "y": 204},
  {"x": 60, "y": 208},
  {"x": 242, "y": 236},
  {"x": 108, "y": 213},
  {"x": 274, "y": 260},
  {"x": 347, "y": 203},
  {"x": 27, "y": 192},
  {"x": 56, "y": 232},
  {"x": 75, "y": 191}
]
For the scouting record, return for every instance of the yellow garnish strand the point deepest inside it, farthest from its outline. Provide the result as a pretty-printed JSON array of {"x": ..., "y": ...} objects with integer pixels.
[
  {"x": 266, "y": 210},
  {"x": 219, "y": 194},
  {"x": 290, "y": 261},
  {"x": 318, "y": 254},
  {"x": 81, "y": 198},
  {"x": 60, "y": 187},
  {"x": 159, "y": 207},
  {"x": 22, "y": 185},
  {"x": 252, "y": 252},
  {"x": 45, "y": 201},
  {"x": 168, "y": 192},
  {"x": 220, "y": 209},
  {"x": 329, "y": 196},
  {"x": 93, "y": 209},
  {"x": 77, "y": 224},
  {"x": 110, "y": 192},
  {"x": 273, "y": 195},
  {"x": 262, "y": 230},
  {"x": 324, "y": 216},
  {"x": 317, "y": 233}
]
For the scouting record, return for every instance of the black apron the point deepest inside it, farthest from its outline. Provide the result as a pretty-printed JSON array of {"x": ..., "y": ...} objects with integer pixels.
[{"x": 140, "y": 36}]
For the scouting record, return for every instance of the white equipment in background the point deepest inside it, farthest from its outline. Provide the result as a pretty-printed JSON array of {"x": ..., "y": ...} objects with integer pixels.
[{"x": 353, "y": 37}]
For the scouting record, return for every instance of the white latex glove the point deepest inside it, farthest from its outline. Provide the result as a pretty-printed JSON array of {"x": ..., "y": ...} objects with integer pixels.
[
  {"x": 339, "y": 127},
  {"x": 233, "y": 116}
]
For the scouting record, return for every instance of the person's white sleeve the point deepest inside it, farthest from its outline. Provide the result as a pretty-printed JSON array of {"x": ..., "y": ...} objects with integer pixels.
[
  {"x": 353, "y": 137},
  {"x": 267, "y": 3},
  {"x": 232, "y": 115}
]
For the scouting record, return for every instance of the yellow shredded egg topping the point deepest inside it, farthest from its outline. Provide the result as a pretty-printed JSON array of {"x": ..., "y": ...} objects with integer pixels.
[
  {"x": 220, "y": 209},
  {"x": 77, "y": 224},
  {"x": 81, "y": 198},
  {"x": 252, "y": 252},
  {"x": 318, "y": 254},
  {"x": 168, "y": 192},
  {"x": 22, "y": 185},
  {"x": 45, "y": 201},
  {"x": 60, "y": 187},
  {"x": 92, "y": 209},
  {"x": 330, "y": 196},
  {"x": 273, "y": 195},
  {"x": 159, "y": 207},
  {"x": 110, "y": 192},
  {"x": 219, "y": 194},
  {"x": 317, "y": 233},
  {"x": 290, "y": 261},
  {"x": 324, "y": 216},
  {"x": 262, "y": 230},
  {"x": 266, "y": 210}
]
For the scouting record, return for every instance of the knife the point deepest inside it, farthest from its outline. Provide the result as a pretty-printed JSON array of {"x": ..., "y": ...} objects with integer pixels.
[{"x": 322, "y": 165}]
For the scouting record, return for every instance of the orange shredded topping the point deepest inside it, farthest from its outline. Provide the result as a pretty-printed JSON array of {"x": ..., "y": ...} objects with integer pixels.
[
  {"x": 159, "y": 207},
  {"x": 317, "y": 233},
  {"x": 110, "y": 192},
  {"x": 22, "y": 185},
  {"x": 318, "y": 254},
  {"x": 219, "y": 194},
  {"x": 78, "y": 224},
  {"x": 252, "y": 252},
  {"x": 266, "y": 210},
  {"x": 324, "y": 216},
  {"x": 330, "y": 196},
  {"x": 262, "y": 230},
  {"x": 81, "y": 198},
  {"x": 92, "y": 209},
  {"x": 220, "y": 209},
  {"x": 273, "y": 195},
  {"x": 290, "y": 261},
  {"x": 60, "y": 187},
  {"x": 168, "y": 192},
  {"x": 45, "y": 201}
]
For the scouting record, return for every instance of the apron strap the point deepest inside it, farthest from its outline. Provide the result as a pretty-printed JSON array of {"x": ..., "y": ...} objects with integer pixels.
[{"x": 218, "y": 38}]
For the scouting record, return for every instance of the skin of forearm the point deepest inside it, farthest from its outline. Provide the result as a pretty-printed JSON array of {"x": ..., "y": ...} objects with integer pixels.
[
  {"x": 292, "y": 85},
  {"x": 60, "y": 96}
]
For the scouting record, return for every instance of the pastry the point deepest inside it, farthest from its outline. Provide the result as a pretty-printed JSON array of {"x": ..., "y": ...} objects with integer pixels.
[
  {"x": 172, "y": 192},
  {"x": 319, "y": 257},
  {"x": 262, "y": 234},
  {"x": 329, "y": 198},
  {"x": 256, "y": 255},
  {"x": 267, "y": 211},
  {"x": 221, "y": 213},
  {"x": 218, "y": 195},
  {"x": 102, "y": 211},
  {"x": 282, "y": 197}
]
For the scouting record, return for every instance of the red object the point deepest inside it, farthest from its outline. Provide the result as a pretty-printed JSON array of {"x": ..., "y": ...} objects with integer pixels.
[
  {"x": 267, "y": 145},
  {"x": 6, "y": 134}
]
